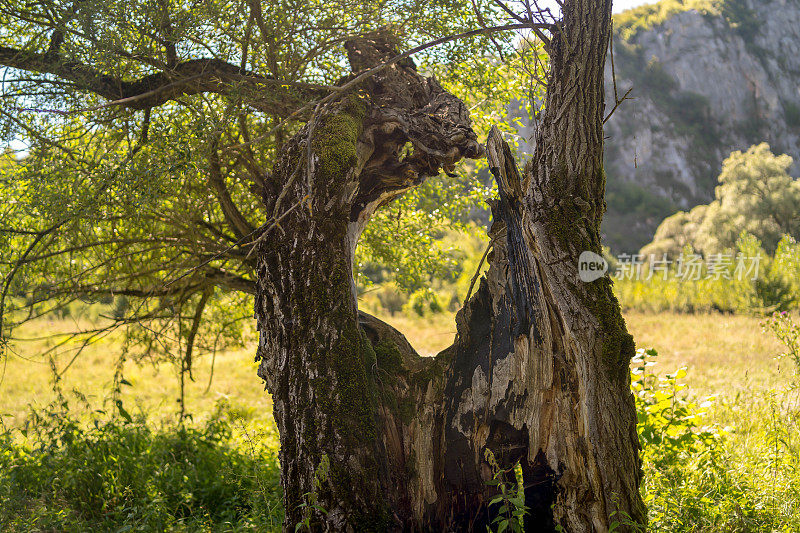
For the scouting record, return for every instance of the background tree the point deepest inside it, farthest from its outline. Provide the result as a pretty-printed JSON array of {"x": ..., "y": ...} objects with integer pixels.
[{"x": 755, "y": 195}]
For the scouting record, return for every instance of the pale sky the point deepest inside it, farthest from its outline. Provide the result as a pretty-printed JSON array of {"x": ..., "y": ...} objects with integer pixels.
[
  {"x": 619, "y": 5},
  {"x": 622, "y": 5}
]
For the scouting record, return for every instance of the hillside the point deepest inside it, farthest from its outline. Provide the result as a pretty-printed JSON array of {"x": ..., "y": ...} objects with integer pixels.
[{"x": 708, "y": 78}]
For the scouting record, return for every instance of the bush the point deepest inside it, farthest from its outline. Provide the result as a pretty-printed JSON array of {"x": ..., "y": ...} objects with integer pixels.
[
  {"x": 792, "y": 113},
  {"x": 788, "y": 332},
  {"x": 424, "y": 302},
  {"x": 391, "y": 298},
  {"x": 695, "y": 479},
  {"x": 741, "y": 19},
  {"x": 116, "y": 475},
  {"x": 756, "y": 195},
  {"x": 630, "y": 22},
  {"x": 775, "y": 288},
  {"x": 667, "y": 420}
]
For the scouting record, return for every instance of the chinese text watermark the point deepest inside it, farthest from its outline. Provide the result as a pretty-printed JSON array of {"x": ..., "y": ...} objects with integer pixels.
[{"x": 686, "y": 267}]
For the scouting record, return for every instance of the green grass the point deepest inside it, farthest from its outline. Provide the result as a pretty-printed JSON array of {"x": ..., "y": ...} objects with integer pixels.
[
  {"x": 131, "y": 475},
  {"x": 81, "y": 466},
  {"x": 727, "y": 464}
]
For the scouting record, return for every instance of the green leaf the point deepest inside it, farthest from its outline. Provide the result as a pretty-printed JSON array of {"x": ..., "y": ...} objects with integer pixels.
[{"x": 122, "y": 412}]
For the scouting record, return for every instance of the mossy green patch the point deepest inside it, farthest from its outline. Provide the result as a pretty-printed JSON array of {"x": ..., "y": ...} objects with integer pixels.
[
  {"x": 433, "y": 369},
  {"x": 336, "y": 136},
  {"x": 406, "y": 409},
  {"x": 355, "y": 405},
  {"x": 344, "y": 390},
  {"x": 388, "y": 357},
  {"x": 574, "y": 230},
  {"x": 617, "y": 344}
]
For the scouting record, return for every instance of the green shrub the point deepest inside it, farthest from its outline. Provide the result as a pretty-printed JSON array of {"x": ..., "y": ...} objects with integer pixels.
[
  {"x": 775, "y": 287},
  {"x": 628, "y": 197},
  {"x": 667, "y": 422},
  {"x": 741, "y": 19},
  {"x": 792, "y": 113},
  {"x": 788, "y": 332},
  {"x": 391, "y": 298},
  {"x": 423, "y": 302},
  {"x": 113, "y": 475},
  {"x": 631, "y": 21},
  {"x": 695, "y": 478}
]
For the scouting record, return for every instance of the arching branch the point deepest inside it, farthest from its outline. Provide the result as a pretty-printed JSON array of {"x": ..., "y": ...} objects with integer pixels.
[
  {"x": 235, "y": 219},
  {"x": 278, "y": 97}
]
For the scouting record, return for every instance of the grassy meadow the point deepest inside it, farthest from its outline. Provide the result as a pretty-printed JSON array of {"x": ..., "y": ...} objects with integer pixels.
[
  {"x": 720, "y": 464},
  {"x": 725, "y": 355}
]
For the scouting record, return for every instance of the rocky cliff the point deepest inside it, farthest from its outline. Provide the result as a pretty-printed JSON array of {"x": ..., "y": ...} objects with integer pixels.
[{"x": 707, "y": 78}]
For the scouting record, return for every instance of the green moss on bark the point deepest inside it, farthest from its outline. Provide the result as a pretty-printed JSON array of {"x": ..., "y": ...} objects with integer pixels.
[
  {"x": 434, "y": 369},
  {"x": 574, "y": 229},
  {"x": 389, "y": 357},
  {"x": 406, "y": 409},
  {"x": 336, "y": 137},
  {"x": 342, "y": 422}
]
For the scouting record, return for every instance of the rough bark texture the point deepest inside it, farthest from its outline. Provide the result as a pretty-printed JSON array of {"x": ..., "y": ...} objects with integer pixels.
[
  {"x": 383, "y": 439},
  {"x": 328, "y": 378}
]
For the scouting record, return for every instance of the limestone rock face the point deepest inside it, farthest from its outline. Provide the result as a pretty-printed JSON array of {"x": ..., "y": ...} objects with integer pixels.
[{"x": 705, "y": 82}]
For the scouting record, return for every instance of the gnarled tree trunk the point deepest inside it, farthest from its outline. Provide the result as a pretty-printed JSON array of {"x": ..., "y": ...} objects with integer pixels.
[{"x": 383, "y": 439}]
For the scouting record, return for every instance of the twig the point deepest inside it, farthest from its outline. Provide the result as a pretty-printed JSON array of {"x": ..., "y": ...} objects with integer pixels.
[
  {"x": 408, "y": 53},
  {"x": 273, "y": 224},
  {"x": 617, "y": 104},
  {"x": 478, "y": 270}
]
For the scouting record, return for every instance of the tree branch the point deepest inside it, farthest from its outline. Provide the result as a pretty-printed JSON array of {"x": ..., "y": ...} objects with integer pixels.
[
  {"x": 237, "y": 222},
  {"x": 223, "y": 278},
  {"x": 198, "y": 316},
  {"x": 364, "y": 75},
  {"x": 190, "y": 77}
]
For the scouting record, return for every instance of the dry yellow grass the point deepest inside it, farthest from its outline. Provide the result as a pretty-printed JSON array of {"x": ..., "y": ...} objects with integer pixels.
[
  {"x": 155, "y": 387},
  {"x": 726, "y": 355},
  {"x": 429, "y": 335}
]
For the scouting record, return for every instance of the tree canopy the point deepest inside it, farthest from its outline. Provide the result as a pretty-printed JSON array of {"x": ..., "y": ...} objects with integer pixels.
[{"x": 150, "y": 129}]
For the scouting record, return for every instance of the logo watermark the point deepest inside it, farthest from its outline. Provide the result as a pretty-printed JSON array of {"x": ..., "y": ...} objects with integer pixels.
[
  {"x": 686, "y": 267},
  {"x": 591, "y": 266}
]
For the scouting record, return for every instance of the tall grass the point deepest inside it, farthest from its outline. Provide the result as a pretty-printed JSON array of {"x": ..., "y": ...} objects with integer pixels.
[
  {"x": 725, "y": 463},
  {"x": 58, "y": 473},
  {"x": 772, "y": 283},
  {"x": 702, "y": 477}
]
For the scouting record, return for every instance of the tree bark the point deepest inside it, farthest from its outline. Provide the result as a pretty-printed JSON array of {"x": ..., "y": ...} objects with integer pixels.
[{"x": 383, "y": 439}]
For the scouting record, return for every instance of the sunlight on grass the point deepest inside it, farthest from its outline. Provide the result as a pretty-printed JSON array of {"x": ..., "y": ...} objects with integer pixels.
[
  {"x": 739, "y": 476},
  {"x": 725, "y": 355},
  {"x": 155, "y": 387}
]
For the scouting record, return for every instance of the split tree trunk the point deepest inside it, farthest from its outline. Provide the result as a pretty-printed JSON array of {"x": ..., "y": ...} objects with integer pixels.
[{"x": 382, "y": 439}]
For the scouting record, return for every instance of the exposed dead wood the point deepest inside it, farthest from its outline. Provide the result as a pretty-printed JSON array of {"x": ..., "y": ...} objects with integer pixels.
[{"x": 386, "y": 440}]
